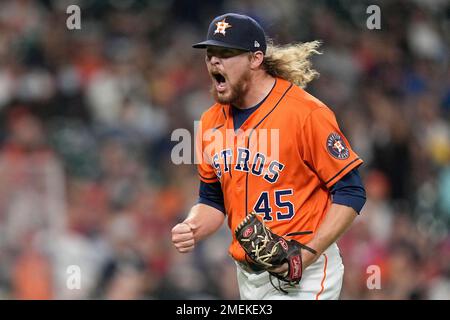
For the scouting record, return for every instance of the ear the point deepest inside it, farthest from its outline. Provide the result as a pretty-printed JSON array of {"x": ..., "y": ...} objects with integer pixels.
[{"x": 256, "y": 60}]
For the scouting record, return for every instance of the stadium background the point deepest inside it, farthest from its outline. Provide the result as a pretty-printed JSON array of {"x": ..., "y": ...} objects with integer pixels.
[{"x": 86, "y": 115}]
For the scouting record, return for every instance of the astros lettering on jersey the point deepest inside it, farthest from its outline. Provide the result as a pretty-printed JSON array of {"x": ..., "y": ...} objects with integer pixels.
[{"x": 286, "y": 179}]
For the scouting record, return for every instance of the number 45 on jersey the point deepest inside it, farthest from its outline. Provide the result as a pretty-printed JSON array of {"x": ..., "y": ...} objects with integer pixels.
[{"x": 284, "y": 209}]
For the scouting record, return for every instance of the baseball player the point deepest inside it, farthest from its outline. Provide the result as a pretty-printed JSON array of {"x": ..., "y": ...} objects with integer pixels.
[{"x": 268, "y": 147}]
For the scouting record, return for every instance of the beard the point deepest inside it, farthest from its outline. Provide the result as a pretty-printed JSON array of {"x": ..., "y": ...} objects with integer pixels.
[{"x": 235, "y": 93}]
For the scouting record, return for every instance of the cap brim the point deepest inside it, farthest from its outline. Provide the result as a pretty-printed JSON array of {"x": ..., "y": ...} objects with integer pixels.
[{"x": 204, "y": 44}]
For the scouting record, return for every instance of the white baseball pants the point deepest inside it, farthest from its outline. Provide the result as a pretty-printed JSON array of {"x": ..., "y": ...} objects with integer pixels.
[{"x": 322, "y": 280}]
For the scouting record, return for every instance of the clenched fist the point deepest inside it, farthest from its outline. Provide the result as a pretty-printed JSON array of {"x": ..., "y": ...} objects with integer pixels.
[{"x": 183, "y": 237}]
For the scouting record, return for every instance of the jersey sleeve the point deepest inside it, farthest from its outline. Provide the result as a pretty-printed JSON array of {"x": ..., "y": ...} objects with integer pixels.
[
  {"x": 325, "y": 149},
  {"x": 206, "y": 172}
]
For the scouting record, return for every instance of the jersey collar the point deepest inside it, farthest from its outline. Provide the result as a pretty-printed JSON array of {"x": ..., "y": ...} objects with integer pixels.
[{"x": 271, "y": 101}]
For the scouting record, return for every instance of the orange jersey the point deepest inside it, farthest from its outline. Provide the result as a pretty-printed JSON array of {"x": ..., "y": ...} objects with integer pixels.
[{"x": 280, "y": 164}]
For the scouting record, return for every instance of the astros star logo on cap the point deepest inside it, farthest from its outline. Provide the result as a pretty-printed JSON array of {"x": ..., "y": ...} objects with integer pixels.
[{"x": 222, "y": 26}]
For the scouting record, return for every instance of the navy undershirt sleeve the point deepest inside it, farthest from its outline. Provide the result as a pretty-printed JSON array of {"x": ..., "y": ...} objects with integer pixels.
[
  {"x": 349, "y": 191},
  {"x": 211, "y": 194}
]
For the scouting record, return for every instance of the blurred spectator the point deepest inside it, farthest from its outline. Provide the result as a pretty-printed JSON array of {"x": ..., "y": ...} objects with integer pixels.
[{"x": 32, "y": 190}]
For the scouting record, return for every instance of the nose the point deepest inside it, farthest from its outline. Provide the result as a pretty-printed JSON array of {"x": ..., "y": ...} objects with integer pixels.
[{"x": 214, "y": 60}]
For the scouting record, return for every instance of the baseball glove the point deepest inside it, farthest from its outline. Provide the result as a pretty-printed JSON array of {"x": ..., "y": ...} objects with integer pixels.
[{"x": 268, "y": 250}]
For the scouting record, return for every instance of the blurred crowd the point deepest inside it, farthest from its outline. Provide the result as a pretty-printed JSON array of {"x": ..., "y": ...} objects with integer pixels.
[{"x": 86, "y": 177}]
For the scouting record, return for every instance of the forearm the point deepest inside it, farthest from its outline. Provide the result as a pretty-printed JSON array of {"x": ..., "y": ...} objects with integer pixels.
[
  {"x": 337, "y": 220},
  {"x": 204, "y": 220}
]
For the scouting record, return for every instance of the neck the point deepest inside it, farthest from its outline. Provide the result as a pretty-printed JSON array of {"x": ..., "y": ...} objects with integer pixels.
[{"x": 259, "y": 87}]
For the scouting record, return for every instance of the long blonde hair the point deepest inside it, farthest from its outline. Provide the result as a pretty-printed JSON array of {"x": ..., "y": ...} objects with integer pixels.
[{"x": 291, "y": 62}]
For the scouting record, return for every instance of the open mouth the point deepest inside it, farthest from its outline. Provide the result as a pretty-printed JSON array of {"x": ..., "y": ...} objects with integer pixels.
[{"x": 220, "y": 81}]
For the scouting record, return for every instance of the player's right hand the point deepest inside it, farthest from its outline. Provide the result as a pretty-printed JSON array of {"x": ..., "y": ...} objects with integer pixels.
[{"x": 183, "y": 237}]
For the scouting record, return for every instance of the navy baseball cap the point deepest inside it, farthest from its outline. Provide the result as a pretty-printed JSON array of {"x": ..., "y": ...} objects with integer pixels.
[{"x": 236, "y": 31}]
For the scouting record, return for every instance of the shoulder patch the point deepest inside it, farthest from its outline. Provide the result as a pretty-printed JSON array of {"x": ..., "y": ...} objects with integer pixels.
[{"x": 336, "y": 147}]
